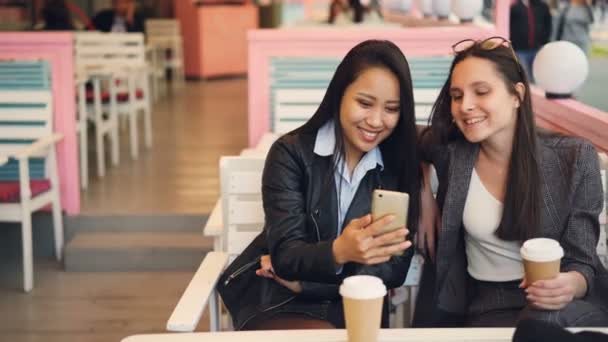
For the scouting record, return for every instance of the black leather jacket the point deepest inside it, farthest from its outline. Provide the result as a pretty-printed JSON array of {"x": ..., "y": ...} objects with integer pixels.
[{"x": 301, "y": 210}]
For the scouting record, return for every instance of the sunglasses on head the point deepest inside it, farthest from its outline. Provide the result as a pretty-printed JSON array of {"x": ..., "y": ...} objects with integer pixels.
[{"x": 486, "y": 44}]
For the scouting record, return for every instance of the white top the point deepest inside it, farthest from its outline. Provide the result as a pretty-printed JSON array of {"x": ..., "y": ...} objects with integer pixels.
[
  {"x": 119, "y": 24},
  {"x": 489, "y": 257}
]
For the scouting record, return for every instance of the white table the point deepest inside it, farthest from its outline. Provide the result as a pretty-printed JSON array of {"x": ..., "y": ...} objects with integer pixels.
[{"x": 339, "y": 335}]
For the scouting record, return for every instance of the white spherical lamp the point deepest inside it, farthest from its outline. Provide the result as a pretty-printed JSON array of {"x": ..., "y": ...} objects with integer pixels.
[
  {"x": 441, "y": 8},
  {"x": 426, "y": 7},
  {"x": 402, "y": 6},
  {"x": 466, "y": 10},
  {"x": 560, "y": 68}
]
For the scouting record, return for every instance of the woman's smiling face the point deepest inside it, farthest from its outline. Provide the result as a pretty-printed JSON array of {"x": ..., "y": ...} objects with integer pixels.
[
  {"x": 482, "y": 106},
  {"x": 369, "y": 111}
]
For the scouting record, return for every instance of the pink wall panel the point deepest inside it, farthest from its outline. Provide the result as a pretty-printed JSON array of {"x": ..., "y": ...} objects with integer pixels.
[
  {"x": 187, "y": 14},
  {"x": 215, "y": 37},
  {"x": 56, "y": 48},
  {"x": 224, "y": 38}
]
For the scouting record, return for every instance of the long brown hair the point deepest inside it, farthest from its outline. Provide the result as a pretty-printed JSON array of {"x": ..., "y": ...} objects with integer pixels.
[{"x": 521, "y": 210}]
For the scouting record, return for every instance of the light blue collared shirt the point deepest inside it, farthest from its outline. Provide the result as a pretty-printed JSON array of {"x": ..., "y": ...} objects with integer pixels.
[{"x": 346, "y": 186}]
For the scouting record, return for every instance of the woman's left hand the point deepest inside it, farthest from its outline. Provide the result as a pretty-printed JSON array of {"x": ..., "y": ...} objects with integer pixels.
[
  {"x": 267, "y": 271},
  {"x": 556, "y": 293}
]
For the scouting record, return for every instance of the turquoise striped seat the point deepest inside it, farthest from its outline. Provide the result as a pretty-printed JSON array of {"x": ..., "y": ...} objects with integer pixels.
[
  {"x": 298, "y": 85},
  {"x": 25, "y": 112},
  {"x": 29, "y": 180}
]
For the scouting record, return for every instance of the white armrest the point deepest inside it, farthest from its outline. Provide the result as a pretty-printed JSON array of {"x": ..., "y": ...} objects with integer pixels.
[
  {"x": 101, "y": 72},
  {"x": 214, "y": 225},
  {"x": 38, "y": 145},
  {"x": 266, "y": 141},
  {"x": 253, "y": 152},
  {"x": 187, "y": 313}
]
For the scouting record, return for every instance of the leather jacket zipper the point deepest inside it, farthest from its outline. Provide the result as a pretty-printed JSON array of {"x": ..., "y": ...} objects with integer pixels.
[
  {"x": 316, "y": 212},
  {"x": 241, "y": 270}
]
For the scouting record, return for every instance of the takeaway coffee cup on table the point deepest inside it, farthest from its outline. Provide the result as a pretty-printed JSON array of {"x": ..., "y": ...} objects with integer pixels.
[
  {"x": 362, "y": 297},
  {"x": 541, "y": 259}
]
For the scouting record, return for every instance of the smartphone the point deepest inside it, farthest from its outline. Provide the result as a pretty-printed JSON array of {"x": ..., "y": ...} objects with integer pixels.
[{"x": 385, "y": 202}]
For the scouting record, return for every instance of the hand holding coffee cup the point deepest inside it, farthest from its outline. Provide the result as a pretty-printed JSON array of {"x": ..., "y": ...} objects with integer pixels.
[
  {"x": 362, "y": 297},
  {"x": 546, "y": 287}
]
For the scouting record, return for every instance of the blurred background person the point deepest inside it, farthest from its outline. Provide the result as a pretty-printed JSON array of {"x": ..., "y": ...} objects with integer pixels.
[
  {"x": 122, "y": 17},
  {"x": 574, "y": 22},
  {"x": 355, "y": 11},
  {"x": 57, "y": 16},
  {"x": 530, "y": 29}
]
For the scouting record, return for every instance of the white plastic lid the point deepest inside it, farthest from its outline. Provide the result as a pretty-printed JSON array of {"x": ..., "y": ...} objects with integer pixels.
[
  {"x": 541, "y": 250},
  {"x": 362, "y": 287}
]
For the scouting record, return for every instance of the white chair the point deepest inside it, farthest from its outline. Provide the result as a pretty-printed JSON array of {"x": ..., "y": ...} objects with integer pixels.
[
  {"x": 165, "y": 34},
  {"x": 105, "y": 125},
  {"x": 81, "y": 131},
  {"x": 214, "y": 226},
  {"x": 154, "y": 57},
  {"x": 120, "y": 58},
  {"x": 29, "y": 181},
  {"x": 243, "y": 218}
]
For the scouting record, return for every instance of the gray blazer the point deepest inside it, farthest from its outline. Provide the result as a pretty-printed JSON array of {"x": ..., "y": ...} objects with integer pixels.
[{"x": 572, "y": 201}]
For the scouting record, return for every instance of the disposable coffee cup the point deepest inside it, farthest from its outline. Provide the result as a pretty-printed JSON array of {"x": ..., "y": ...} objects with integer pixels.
[
  {"x": 541, "y": 259},
  {"x": 362, "y": 297}
]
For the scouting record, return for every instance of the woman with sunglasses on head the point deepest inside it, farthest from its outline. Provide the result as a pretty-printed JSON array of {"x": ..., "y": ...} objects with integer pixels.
[
  {"x": 316, "y": 189},
  {"x": 501, "y": 182}
]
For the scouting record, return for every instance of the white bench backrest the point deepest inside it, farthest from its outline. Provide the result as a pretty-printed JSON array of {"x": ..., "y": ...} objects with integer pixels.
[
  {"x": 162, "y": 27},
  {"x": 299, "y": 84},
  {"x": 241, "y": 193},
  {"x": 109, "y": 50}
]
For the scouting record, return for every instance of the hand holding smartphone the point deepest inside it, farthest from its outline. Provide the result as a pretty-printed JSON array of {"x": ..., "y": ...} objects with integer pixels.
[{"x": 385, "y": 202}]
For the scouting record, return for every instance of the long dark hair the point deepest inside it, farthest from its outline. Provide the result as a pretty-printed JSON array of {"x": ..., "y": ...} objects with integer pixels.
[
  {"x": 521, "y": 211},
  {"x": 399, "y": 150}
]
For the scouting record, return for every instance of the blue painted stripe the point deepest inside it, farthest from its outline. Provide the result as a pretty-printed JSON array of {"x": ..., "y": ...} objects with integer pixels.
[
  {"x": 16, "y": 76},
  {"x": 21, "y": 75},
  {"x": 22, "y": 123},
  {"x": 10, "y": 170}
]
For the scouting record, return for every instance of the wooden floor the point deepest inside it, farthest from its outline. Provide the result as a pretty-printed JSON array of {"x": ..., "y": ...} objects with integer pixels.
[
  {"x": 193, "y": 127},
  {"x": 95, "y": 307}
]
